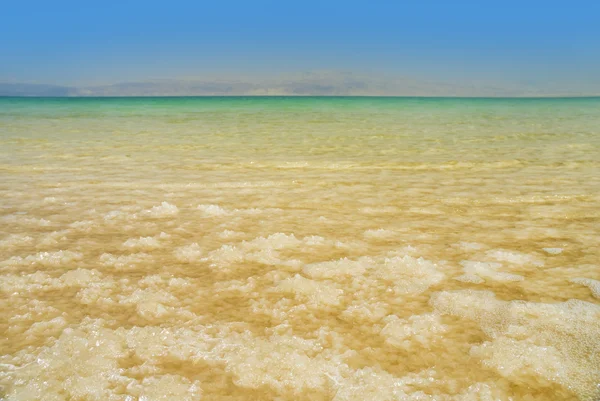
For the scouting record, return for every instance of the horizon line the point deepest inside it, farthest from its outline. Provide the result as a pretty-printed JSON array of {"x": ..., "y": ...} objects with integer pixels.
[{"x": 300, "y": 96}]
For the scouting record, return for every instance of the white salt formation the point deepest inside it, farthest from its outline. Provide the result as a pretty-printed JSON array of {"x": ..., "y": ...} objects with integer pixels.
[
  {"x": 593, "y": 285},
  {"x": 325, "y": 250},
  {"x": 164, "y": 210}
]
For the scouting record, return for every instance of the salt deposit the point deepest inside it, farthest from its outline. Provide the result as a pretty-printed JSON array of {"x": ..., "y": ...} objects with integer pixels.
[
  {"x": 553, "y": 251},
  {"x": 244, "y": 250},
  {"x": 164, "y": 210},
  {"x": 593, "y": 285},
  {"x": 477, "y": 272}
]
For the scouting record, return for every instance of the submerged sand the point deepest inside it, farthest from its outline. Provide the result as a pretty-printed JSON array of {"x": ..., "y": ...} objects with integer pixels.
[{"x": 300, "y": 251}]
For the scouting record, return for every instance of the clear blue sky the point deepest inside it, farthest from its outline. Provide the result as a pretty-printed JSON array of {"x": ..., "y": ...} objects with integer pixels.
[{"x": 109, "y": 41}]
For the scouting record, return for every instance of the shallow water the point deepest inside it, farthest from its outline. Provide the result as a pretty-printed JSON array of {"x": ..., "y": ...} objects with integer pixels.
[{"x": 300, "y": 249}]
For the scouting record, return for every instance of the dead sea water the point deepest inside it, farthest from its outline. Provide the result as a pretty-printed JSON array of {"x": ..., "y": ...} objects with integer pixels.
[{"x": 300, "y": 249}]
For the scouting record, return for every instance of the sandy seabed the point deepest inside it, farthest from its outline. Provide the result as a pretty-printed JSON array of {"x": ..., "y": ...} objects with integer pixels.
[{"x": 187, "y": 268}]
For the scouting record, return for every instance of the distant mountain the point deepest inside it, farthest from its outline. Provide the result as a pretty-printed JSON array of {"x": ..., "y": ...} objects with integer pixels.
[
  {"x": 323, "y": 83},
  {"x": 17, "y": 89}
]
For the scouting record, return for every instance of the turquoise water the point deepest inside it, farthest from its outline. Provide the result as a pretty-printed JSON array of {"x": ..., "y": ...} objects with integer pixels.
[{"x": 300, "y": 248}]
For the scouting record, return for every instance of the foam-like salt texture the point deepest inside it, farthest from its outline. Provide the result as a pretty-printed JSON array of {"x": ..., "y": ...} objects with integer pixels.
[
  {"x": 517, "y": 258},
  {"x": 380, "y": 234},
  {"x": 14, "y": 240},
  {"x": 402, "y": 274},
  {"x": 533, "y": 341},
  {"x": 125, "y": 262},
  {"x": 164, "y": 210},
  {"x": 408, "y": 274},
  {"x": 419, "y": 328},
  {"x": 313, "y": 291},
  {"x": 263, "y": 250},
  {"x": 46, "y": 259},
  {"x": 146, "y": 243},
  {"x": 212, "y": 210},
  {"x": 478, "y": 272},
  {"x": 188, "y": 253},
  {"x": 332, "y": 269}
]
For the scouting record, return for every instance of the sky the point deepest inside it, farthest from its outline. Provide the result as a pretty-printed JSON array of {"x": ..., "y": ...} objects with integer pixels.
[{"x": 103, "y": 42}]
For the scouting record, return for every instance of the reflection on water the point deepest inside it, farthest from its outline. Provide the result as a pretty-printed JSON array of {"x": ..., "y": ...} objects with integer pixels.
[{"x": 300, "y": 249}]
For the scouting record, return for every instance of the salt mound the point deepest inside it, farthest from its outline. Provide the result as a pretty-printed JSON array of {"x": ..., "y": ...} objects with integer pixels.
[
  {"x": 264, "y": 250},
  {"x": 189, "y": 253},
  {"x": 422, "y": 329},
  {"x": 150, "y": 303},
  {"x": 403, "y": 275},
  {"x": 81, "y": 277},
  {"x": 381, "y": 234},
  {"x": 336, "y": 268},
  {"x": 274, "y": 241},
  {"x": 362, "y": 311},
  {"x": 147, "y": 243},
  {"x": 124, "y": 262},
  {"x": 163, "y": 210},
  {"x": 317, "y": 293},
  {"x": 212, "y": 210},
  {"x": 47, "y": 259},
  {"x": 16, "y": 240},
  {"x": 408, "y": 275}
]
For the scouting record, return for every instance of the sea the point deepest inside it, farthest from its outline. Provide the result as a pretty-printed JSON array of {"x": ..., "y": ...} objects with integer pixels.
[{"x": 300, "y": 248}]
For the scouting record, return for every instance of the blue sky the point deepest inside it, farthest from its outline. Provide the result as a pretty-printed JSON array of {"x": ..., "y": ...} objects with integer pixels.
[{"x": 79, "y": 42}]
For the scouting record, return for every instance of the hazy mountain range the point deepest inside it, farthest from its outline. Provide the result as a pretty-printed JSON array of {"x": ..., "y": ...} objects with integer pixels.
[{"x": 303, "y": 84}]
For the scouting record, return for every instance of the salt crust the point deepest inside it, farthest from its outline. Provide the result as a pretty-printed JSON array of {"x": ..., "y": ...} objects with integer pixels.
[
  {"x": 362, "y": 311},
  {"x": 469, "y": 246},
  {"x": 54, "y": 238},
  {"x": 23, "y": 220},
  {"x": 164, "y": 210},
  {"x": 47, "y": 259},
  {"x": 150, "y": 303},
  {"x": 593, "y": 285},
  {"x": 402, "y": 274},
  {"x": 85, "y": 363},
  {"x": 477, "y": 272},
  {"x": 264, "y": 250},
  {"x": 145, "y": 243},
  {"x": 379, "y": 210},
  {"x": 124, "y": 214},
  {"x": 188, "y": 253},
  {"x": 212, "y": 210},
  {"x": 553, "y": 251},
  {"x": 40, "y": 281},
  {"x": 551, "y": 343},
  {"x": 85, "y": 226},
  {"x": 124, "y": 262},
  {"x": 218, "y": 211},
  {"x": 380, "y": 233},
  {"x": 14, "y": 240},
  {"x": 314, "y": 292},
  {"x": 513, "y": 257},
  {"x": 227, "y": 234},
  {"x": 421, "y": 329}
]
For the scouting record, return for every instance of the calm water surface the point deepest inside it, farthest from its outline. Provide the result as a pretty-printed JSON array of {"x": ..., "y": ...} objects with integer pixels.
[{"x": 300, "y": 249}]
